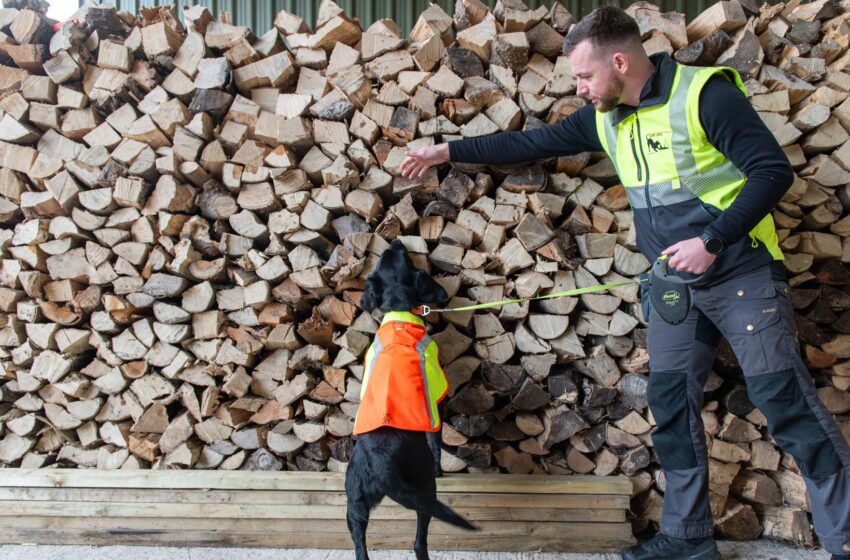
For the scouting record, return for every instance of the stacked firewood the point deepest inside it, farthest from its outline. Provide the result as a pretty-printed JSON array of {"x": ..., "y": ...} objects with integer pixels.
[{"x": 189, "y": 211}]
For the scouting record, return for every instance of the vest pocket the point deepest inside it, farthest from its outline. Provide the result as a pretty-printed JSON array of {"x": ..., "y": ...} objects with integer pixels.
[{"x": 710, "y": 211}]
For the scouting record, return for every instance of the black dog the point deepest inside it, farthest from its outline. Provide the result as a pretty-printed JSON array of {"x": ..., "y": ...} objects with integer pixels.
[{"x": 386, "y": 460}]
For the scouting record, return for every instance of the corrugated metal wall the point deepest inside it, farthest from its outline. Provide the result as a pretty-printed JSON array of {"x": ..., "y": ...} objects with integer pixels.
[{"x": 259, "y": 14}]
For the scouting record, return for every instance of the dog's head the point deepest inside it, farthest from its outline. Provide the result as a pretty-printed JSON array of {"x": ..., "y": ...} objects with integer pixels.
[{"x": 397, "y": 285}]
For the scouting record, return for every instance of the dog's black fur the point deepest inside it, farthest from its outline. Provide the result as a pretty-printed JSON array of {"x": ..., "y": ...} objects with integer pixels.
[{"x": 401, "y": 464}]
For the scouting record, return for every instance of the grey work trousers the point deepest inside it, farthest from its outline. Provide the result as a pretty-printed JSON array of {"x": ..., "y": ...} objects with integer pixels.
[{"x": 753, "y": 312}]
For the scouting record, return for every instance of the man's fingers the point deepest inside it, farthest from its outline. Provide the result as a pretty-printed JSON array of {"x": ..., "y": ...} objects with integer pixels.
[
  {"x": 409, "y": 167},
  {"x": 413, "y": 170},
  {"x": 674, "y": 263},
  {"x": 681, "y": 266},
  {"x": 415, "y": 164}
]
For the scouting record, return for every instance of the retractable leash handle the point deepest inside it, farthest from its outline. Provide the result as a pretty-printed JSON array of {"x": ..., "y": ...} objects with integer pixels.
[
  {"x": 661, "y": 270},
  {"x": 670, "y": 294}
]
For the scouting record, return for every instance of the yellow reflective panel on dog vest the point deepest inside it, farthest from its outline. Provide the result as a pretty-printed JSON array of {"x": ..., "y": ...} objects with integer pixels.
[
  {"x": 663, "y": 156},
  {"x": 402, "y": 381}
]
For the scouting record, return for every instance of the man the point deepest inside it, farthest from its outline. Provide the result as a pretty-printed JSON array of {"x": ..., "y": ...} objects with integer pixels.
[{"x": 702, "y": 174}]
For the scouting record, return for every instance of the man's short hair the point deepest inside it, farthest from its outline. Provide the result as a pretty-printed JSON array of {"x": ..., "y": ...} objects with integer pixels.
[{"x": 604, "y": 27}]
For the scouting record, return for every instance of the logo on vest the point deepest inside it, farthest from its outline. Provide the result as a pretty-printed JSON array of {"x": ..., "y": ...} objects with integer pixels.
[{"x": 657, "y": 142}]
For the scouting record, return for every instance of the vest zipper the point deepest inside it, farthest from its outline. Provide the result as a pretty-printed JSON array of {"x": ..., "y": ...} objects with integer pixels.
[
  {"x": 646, "y": 183},
  {"x": 634, "y": 153}
]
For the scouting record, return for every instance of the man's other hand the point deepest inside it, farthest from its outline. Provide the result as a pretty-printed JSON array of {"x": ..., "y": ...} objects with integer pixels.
[
  {"x": 417, "y": 162},
  {"x": 689, "y": 256}
]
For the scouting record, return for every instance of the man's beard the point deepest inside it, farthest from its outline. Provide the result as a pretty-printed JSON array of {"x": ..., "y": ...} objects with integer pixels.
[{"x": 611, "y": 98}]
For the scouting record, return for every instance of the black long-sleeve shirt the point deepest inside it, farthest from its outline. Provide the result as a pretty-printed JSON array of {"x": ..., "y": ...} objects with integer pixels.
[{"x": 731, "y": 125}]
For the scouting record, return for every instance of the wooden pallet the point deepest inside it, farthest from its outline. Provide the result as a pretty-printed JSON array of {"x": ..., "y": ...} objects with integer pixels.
[{"x": 303, "y": 510}]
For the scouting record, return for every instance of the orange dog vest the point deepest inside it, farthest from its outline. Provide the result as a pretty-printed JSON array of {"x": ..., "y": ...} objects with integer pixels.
[{"x": 402, "y": 381}]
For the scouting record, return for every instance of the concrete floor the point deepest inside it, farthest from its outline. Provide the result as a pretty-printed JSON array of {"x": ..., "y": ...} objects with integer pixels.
[{"x": 758, "y": 550}]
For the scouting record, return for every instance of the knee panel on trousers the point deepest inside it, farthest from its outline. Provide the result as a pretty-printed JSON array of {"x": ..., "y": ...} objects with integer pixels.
[
  {"x": 668, "y": 400},
  {"x": 793, "y": 424}
]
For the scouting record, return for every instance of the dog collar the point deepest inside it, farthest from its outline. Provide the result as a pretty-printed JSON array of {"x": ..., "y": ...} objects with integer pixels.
[{"x": 403, "y": 316}]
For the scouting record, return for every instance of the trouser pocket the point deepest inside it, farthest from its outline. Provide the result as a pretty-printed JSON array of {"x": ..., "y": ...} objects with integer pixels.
[{"x": 756, "y": 319}]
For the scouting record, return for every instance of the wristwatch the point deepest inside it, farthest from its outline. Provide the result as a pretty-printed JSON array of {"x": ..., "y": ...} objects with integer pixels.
[{"x": 713, "y": 245}]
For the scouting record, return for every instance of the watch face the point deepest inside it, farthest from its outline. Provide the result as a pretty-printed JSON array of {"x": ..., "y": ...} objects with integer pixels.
[{"x": 713, "y": 245}]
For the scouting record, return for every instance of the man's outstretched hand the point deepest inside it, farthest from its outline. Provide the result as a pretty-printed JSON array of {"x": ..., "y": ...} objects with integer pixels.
[{"x": 417, "y": 162}]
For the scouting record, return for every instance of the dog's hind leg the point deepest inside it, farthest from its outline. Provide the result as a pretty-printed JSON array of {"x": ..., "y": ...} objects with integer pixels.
[
  {"x": 357, "y": 516},
  {"x": 362, "y": 495},
  {"x": 420, "y": 546},
  {"x": 434, "y": 441}
]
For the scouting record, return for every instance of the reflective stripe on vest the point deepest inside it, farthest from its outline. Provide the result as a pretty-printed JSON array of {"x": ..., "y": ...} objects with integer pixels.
[{"x": 420, "y": 348}]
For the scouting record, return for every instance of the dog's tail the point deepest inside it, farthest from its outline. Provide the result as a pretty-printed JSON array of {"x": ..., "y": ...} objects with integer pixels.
[{"x": 411, "y": 497}]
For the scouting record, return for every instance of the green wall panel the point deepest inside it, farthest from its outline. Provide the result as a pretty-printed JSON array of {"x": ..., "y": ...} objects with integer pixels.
[{"x": 259, "y": 14}]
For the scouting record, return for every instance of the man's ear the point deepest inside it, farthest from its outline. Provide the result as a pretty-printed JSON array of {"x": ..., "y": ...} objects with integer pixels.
[
  {"x": 620, "y": 62},
  {"x": 428, "y": 290},
  {"x": 371, "y": 298}
]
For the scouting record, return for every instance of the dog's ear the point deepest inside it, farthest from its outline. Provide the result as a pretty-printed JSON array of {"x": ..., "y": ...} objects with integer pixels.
[
  {"x": 371, "y": 298},
  {"x": 428, "y": 290}
]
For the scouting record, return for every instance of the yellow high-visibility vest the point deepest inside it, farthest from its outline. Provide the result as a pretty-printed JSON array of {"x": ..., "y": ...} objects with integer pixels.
[{"x": 664, "y": 159}]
